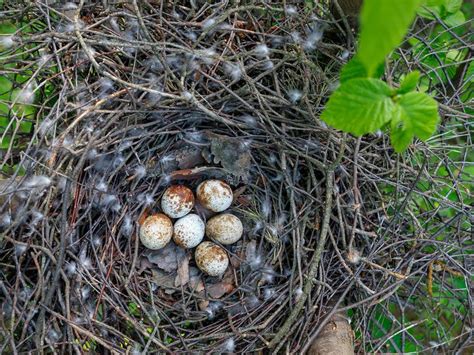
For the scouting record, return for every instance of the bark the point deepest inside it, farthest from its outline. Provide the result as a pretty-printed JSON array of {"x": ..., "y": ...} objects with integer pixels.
[{"x": 336, "y": 338}]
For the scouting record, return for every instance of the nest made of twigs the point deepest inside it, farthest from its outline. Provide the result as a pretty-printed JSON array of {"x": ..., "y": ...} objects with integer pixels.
[{"x": 150, "y": 94}]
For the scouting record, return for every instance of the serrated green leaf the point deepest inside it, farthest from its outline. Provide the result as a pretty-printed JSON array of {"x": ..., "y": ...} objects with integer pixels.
[
  {"x": 352, "y": 70},
  {"x": 355, "y": 69},
  {"x": 453, "y": 6},
  {"x": 456, "y": 19},
  {"x": 430, "y": 12},
  {"x": 359, "y": 106},
  {"x": 389, "y": 19},
  {"x": 409, "y": 83},
  {"x": 416, "y": 114},
  {"x": 433, "y": 2}
]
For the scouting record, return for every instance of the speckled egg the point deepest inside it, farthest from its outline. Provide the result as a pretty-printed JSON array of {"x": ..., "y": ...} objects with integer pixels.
[
  {"x": 224, "y": 228},
  {"x": 211, "y": 259},
  {"x": 156, "y": 231},
  {"x": 177, "y": 201},
  {"x": 188, "y": 231},
  {"x": 215, "y": 195}
]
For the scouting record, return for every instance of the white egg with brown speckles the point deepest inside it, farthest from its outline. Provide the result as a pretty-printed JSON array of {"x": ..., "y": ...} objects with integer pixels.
[
  {"x": 211, "y": 259},
  {"x": 188, "y": 231},
  {"x": 215, "y": 195},
  {"x": 156, "y": 231},
  {"x": 177, "y": 201},
  {"x": 224, "y": 228}
]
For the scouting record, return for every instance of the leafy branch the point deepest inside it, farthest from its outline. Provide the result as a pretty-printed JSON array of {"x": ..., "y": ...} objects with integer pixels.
[{"x": 363, "y": 103}]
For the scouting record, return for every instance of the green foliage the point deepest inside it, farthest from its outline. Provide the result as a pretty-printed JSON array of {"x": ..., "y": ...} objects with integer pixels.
[
  {"x": 360, "y": 106},
  {"x": 409, "y": 83},
  {"x": 363, "y": 104},
  {"x": 383, "y": 26},
  {"x": 416, "y": 114},
  {"x": 447, "y": 10}
]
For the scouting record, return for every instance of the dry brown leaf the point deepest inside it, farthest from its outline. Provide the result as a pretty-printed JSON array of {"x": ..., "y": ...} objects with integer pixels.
[
  {"x": 231, "y": 154},
  {"x": 163, "y": 279},
  {"x": 203, "y": 305},
  {"x": 220, "y": 289},
  {"x": 167, "y": 259},
  {"x": 182, "y": 277}
]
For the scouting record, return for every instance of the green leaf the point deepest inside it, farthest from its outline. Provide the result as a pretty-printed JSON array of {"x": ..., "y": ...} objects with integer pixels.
[
  {"x": 383, "y": 26},
  {"x": 433, "y": 2},
  {"x": 416, "y": 114},
  {"x": 409, "y": 83},
  {"x": 430, "y": 12},
  {"x": 453, "y": 6},
  {"x": 352, "y": 70},
  {"x": 359, "y": 106},
  {"x": 356, "y": 69},
  {"x": 455, "y": 20}
]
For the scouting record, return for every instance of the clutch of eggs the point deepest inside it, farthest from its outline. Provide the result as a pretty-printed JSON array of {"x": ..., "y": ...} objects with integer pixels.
[{"x": 188, "y": 230}]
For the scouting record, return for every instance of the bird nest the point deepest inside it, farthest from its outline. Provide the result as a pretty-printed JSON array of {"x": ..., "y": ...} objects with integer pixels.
[{"x": 128, "y": 99}]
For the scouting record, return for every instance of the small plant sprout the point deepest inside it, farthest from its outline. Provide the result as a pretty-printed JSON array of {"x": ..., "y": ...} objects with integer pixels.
[{"x": 6, "y": 42}]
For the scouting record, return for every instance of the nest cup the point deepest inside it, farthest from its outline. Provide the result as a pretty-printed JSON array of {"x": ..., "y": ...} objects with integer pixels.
[{"x": 139, "y": 98}]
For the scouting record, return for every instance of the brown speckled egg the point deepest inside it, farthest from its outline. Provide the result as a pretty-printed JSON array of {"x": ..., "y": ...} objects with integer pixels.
[
  {"x": 224, "y": 228},
  {"x": 211, "y": 259},
  {"x": 177, "y": 201},
  {"x": 215, "y": 195},
  {"x": 188, "y": 231},
  {"x": 156, "y": 231}
]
